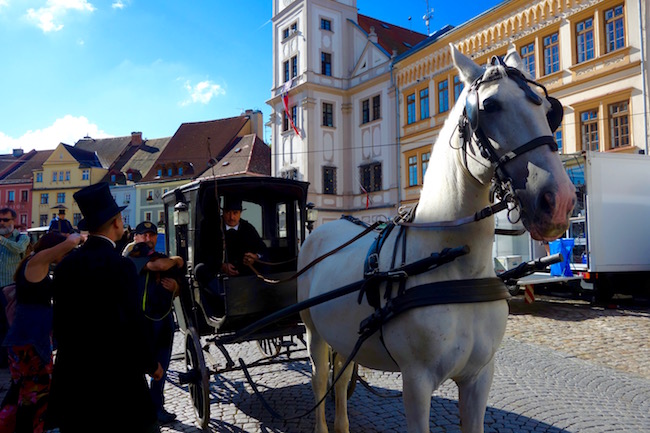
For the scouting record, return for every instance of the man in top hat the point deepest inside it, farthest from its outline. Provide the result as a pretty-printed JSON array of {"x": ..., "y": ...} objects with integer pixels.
[
  {"x": 60, "y": 224},
  {"x": 244, "y": 246},
  {"x": 104, "y": 346}
]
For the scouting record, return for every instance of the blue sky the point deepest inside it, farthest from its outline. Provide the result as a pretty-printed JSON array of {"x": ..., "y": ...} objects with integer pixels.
[{"x": 105, "y": 68}]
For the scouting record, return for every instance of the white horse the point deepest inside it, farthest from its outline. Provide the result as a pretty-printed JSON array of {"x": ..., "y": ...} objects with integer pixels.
[{"x": 457, "y": 340}]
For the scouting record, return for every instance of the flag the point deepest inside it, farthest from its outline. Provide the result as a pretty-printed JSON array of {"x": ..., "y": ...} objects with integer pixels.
[
  {"x": 285, "y": 102},
  {"x": 367, "y": 196}
]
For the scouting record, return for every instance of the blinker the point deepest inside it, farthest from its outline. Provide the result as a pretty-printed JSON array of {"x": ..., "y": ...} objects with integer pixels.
[{"x": 471, "y": 109}]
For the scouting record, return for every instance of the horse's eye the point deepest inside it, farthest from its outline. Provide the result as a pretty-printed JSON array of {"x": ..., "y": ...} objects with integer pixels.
[{"x": 491, "y": 105}]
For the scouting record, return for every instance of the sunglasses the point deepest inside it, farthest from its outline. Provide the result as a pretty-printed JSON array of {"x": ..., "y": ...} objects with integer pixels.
[{"x": 6, "y": 220}]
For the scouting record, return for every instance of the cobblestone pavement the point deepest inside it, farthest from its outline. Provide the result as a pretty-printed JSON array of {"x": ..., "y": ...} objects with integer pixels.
[{"x": 564, "y": 366}]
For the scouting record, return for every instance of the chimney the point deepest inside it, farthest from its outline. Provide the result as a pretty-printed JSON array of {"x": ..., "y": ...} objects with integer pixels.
[
  {"x": 18, "y": 153},
  {"x": 136, "y": 138},
  {"x": 257, "y": 122}
]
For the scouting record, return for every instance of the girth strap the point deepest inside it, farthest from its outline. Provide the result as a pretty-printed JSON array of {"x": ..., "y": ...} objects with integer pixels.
[{"x": 438, "y": 293}]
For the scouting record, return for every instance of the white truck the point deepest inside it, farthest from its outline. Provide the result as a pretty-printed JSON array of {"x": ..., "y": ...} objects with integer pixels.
[{"x": 610, "y": 228}]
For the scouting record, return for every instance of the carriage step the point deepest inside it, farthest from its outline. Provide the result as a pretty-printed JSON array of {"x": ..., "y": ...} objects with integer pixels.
[{"x": 192, "y": 376}]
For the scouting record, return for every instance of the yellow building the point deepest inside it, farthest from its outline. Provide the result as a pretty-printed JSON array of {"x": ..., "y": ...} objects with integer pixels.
[
  {"x": 67, "y": 170},
  {"x": 590, "y": 54}
]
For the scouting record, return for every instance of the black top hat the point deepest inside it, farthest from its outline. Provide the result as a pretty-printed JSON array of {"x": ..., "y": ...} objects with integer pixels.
[
  {"x": 231, "y": 203},
  {"x": 97, "y": 206}
]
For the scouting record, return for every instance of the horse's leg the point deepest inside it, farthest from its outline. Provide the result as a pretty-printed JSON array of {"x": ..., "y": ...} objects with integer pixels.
[
  {"x": 341, "y": 422},
  {"x": 472, "y": 399},
  {"x": 319, "y": 354},
  {"x": 418, "y": 386}
]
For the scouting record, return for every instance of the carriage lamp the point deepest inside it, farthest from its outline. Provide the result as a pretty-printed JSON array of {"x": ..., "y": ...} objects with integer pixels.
[
  {"x": 312, "y": 216},
  {"x": 181, "y": 214}
]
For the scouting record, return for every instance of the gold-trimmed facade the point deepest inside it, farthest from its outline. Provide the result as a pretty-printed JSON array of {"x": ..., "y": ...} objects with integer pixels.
[{"x": 589, "y": 54}]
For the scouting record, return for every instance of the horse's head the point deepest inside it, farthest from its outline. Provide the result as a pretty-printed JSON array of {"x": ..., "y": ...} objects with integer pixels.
[{"x": 507, "y": 129}]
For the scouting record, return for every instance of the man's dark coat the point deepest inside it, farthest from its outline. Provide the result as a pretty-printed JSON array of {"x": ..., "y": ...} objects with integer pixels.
[{"x": 104, "y": 349}]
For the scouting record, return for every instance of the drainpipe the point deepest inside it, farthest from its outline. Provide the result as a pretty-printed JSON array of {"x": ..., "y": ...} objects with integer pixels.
[
  {"x": 643, "y": 79},
  {"x": 397, "y": 136}
]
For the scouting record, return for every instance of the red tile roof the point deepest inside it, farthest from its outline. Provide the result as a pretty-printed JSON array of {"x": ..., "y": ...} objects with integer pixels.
[
  {"x": 389, "y": 36},
  {"x": 196, "y": 143}
]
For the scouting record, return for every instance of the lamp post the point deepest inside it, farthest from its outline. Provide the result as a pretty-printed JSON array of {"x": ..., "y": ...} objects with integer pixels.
[{"x": 312, "y": 216}]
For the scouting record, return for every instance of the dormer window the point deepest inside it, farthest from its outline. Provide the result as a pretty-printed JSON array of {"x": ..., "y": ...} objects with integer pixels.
[
  {"x": 113, "y": 178},
  {"x": 159, "y": 172},
  {"x": 170, "y": 171}
]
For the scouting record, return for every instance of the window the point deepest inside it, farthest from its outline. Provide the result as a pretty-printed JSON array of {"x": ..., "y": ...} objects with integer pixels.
[
  {"x": 413, "y": 170},
  {"x": 614, "y": 28},
  {"x": 365, "y": 111},
  {"x": 45, "y": 199},
  {"x": 458, "y": 87},
  {"x": 23, "y": 219},
  {"x": 149, "y": 195},
  {"x": 24, "y": 195},
  {"x": 147, "y": 216},
  {"x": 424, "y": 103},
  {"x": 370, "y": 175},
  {"x": 294, "y": 66},
  {"x": 551, "y": 54},
  {"x": 290, "y": 31},
  {"x": 113, "y": 178},
  {"x": 328, "y": 114},
  {"x": 180, "y": 171},
  {"x": 376, "y": 107},
  {"x": 589, "y": 129},
  {"x": 585, "y": 40},
  {"x": 42, "y": 220},
  {"x": 11, "y": 195},
  {"x": 127, "y": 198},
  {"x": 170, "y": 171},
  {"x": 67, "y": 175},
  {"x": 60, "y": 197},
  {"x": 286, "y": 71},
  {"x": 61, "y": 176},
  {"x": 619, "y": 127},
  {"x": 85, "y": 175},
  {"x": 325, "y": 24},
  {"x": 159, "y": 172},
  {"x": 425, "y": 163},
  {"x": 329, "y": 180},
  {"x": 326, "y": 64},
  {"x": 129, "y": 176},
  {"x": 54, "y": 176},
  {"x": 527, "y": 53},
  {"x": 285, "y": 119},
  {"x": 443, "y": 96},
  {"x": 410, "y": 108},
  {"x": 39, "y": 177}
]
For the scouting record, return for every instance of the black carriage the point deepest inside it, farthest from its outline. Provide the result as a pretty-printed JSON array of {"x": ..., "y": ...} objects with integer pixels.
[{"x": 216, "y": 306}]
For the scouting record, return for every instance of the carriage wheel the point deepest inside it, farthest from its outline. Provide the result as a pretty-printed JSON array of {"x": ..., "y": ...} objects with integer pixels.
[
  {"x": 198, "y": 383},
  {"x": 270, "y": 346}
]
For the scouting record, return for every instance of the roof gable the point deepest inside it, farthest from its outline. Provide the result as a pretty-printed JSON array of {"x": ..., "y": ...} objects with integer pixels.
[{"x": 390, "y": 37}]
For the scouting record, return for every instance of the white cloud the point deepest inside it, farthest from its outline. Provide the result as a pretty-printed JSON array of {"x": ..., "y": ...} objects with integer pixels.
[
  {"x": 202, "y": 93},
  {"x": 118, "y": 5},
  {"x": 68, "y": 130},
  {"x": 48, "y": 18}
]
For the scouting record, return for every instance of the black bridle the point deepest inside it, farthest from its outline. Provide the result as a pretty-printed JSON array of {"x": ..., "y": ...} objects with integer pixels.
[{"x": 469, "y": 125}]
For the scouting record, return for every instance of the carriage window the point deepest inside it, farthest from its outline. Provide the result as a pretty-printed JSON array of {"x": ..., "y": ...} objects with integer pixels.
[
  {"x": 252, "y": 212},
  {"x": 281, "y": 212},
  {"x": 170, "y": 231}
]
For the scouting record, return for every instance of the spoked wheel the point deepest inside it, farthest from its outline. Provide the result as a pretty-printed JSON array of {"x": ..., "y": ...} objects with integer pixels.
[
  {"x": 270, "y": 346},
  {"x": 197, "y": 378}
]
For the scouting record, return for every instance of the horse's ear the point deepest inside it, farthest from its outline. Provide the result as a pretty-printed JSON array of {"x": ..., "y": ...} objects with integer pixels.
[
  {"x": 513, "y": 59},
  {"x": 467, "y": 68}
]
